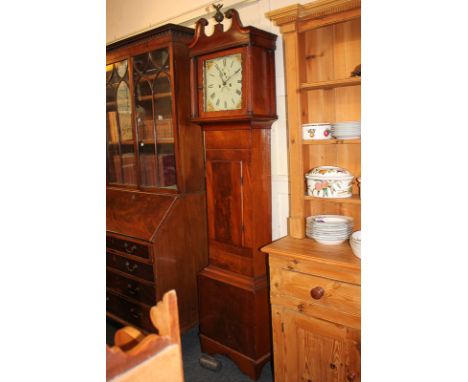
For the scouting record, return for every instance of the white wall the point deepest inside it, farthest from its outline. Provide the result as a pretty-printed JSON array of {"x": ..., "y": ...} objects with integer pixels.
[{"x": 125, "y": 17}]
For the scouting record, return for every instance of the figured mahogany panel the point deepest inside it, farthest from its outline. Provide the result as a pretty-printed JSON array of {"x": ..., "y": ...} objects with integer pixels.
[
  {"x": 234, "y": 315},
  {"x": 228, "y": 139},
  {"x": 232, "y": 258},
  {"x": 180, "y": 253},
  {"x": 224, "y": 194},
  {"x": 136, "y": 214},
  {"x": 263, "y": 73}
]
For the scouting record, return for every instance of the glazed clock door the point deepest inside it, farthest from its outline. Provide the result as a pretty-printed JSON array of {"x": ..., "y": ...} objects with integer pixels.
[
  {"x": 223, "y": 89},
  {"x": 317, "y": 350},
  {"x": 225, "y": 192},
  {"x": 222, "y": 83}
]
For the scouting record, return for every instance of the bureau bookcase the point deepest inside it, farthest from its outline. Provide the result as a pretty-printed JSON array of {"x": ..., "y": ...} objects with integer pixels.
[{"x": 156, "y": 204}]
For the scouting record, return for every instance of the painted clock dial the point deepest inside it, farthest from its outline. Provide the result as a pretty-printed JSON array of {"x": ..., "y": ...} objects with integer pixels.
[{"x": 222, "y": 83}]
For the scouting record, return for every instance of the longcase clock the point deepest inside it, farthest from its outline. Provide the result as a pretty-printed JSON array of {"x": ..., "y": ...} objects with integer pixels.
[{"x": 233, "y": 99}]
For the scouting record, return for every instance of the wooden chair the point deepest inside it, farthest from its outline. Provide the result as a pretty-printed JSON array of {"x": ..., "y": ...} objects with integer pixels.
[{"x": 154, "y": 357}]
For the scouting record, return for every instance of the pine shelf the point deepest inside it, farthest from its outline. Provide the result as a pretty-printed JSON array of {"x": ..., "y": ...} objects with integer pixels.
[
  {"x": 352, "y": 81},
  {"x": 354, "y": 199},
  {"x": 331, "y": 141}
]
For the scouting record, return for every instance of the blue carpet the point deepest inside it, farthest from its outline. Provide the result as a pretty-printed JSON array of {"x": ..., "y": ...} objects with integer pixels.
[
  {"x": 229, "y": 372},
  {"x": 191, "y": 353}
]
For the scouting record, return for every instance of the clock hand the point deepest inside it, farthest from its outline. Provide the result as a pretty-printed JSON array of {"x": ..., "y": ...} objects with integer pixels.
[
  {"x": 221, "y": 75},
  {"x": 232, "y": 75}
]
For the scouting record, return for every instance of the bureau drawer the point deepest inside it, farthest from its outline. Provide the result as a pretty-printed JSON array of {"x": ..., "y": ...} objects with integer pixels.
[
  {"x": 136, "y": 290},
  {"x": 129, "y": 247},
  {"x": 132, "y": 267},
  {"x": 317, "y": 291},
  {"x": 135, "y": 314}
]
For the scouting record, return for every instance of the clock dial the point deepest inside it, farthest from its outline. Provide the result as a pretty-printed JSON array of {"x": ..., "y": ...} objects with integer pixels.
[{"x": 222, "y": 83}]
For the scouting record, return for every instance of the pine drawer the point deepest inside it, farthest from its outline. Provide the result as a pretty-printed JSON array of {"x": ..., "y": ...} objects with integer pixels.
[{"x": 325, "y": 298}]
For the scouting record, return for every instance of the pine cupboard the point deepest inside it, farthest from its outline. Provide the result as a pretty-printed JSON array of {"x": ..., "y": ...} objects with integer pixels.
[
  {"x": 156, "y": 206},
  {"x": 315, "y": 308},
  {"x": 315, "y": 288}
]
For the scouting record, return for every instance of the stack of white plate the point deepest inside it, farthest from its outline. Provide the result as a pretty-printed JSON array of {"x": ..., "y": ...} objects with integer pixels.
[
  {"x": 329, "y": 229},
  {"x": 346, "y": 130}
]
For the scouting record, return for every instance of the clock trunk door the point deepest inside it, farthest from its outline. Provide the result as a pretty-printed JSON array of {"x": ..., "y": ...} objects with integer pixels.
[{"x": 224, "y": 193}]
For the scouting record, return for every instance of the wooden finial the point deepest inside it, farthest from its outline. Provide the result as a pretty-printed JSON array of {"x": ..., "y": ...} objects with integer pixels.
[
  {"x": 219, "y": 17},
  {"x": 234, "y": 15}
]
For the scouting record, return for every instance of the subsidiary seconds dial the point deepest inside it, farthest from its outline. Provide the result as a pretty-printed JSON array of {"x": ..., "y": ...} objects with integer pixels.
[{"x": 222, "y": 83}]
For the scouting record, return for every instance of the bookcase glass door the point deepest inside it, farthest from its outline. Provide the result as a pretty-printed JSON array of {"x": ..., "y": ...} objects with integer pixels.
[
  {"x": 121, "y": 166},
  {"x": 153, "y": 103}
]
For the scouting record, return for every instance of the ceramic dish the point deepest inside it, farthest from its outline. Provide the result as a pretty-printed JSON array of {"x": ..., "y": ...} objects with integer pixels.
[
  {"x": 346, "y": 130},
  {"x": 316, "y": 131},
  {"x": 329, "y": 229},
  {"x": 329, "y": 182},
  {"x": 355, "y": 242}
]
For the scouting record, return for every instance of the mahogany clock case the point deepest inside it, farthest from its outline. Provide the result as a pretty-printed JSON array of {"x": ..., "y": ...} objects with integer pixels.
[
  {"x": 258, "y": 65},
  {"x": 233, "y": 296},
  {"x": 157, "y": 236}
]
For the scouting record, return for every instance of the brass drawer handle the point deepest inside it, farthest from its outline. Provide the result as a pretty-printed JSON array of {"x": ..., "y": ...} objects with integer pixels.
[
  {"x": 132, "y": 290},
  {"x": 134, "y": 313},
  {"x": 131, "y": 268},
  {"x": 129, "y": 249},
  {"x": 317, "y": 293}
]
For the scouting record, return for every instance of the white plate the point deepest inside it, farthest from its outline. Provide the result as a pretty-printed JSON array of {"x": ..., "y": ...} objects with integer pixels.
[
  {"x": 331, "y": 219},
  {"x": 350, "y": 123},
  {"x": 330, "y": 229},
  {"x": 344, "y": 234},
  {"x": 334, "y": 242},
  {"x": 327, "y": 236}
]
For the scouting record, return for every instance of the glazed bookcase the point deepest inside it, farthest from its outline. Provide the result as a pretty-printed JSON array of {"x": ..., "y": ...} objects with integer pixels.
[
  {"x": 315, "y": 288},
  {"x": 156, "y": 234}
]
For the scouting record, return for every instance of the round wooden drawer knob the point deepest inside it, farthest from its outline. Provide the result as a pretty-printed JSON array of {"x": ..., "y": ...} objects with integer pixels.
[
  {"x": 317, "y": 293},
  {"x": 351, "y": 376}
]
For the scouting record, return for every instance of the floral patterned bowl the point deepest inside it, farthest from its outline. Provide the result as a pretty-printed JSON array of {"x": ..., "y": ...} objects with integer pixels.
[
  {"x": 316, "y": 131},
  {"x": 329, "y": 182}
]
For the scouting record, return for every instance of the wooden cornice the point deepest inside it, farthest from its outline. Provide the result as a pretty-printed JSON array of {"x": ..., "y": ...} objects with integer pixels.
[
  {"x": 175, "y": 30},
  {"x": 236, "y": 35},
  {"x": 313, "y": 10}
]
